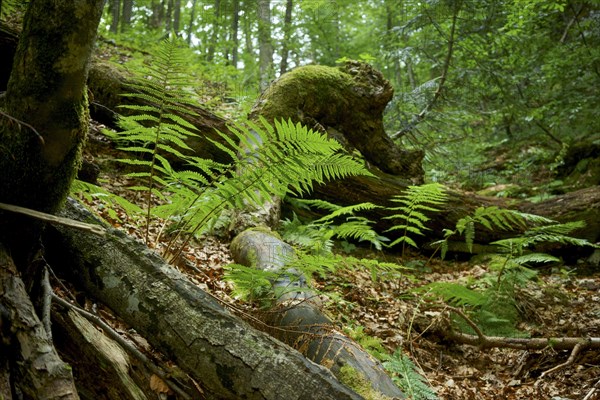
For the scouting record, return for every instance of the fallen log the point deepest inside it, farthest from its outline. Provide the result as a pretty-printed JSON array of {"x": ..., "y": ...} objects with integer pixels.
[
  {"x": 38, "y": 371},
  {"x": 297, "y": 319},
  {"x": 229, "y": 358},
  {"x": 581, "y": 205}
]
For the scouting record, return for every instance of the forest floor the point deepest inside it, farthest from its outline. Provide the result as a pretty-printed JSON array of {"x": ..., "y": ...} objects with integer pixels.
[{"x": 561, "y": 302}]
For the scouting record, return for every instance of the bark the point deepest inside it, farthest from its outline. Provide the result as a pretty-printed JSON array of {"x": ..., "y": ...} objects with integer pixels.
[
  {"x": 115, "y": 11},
  {"x": 265, "y": 47},
  {"x": 235, "y": 27},
  {"x": 212, "y": 44},
  {"x": 177, "y": 17},
  {"x": 348, "y": 102},
  {"x": 47, "y": 80},
  {"x": 227, "y": 357},
  {"x": 36, "y": 371},
  {"x": 87, "y": 349},
  {"x": 191, "y": 24},
  {"x": 126, "y": 15},
  {"x": 287, "y": 33},
  {"x": 297, "y": 319}
]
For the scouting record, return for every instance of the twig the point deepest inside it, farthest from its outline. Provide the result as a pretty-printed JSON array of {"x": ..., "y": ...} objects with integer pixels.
[
  {"x": 18, "y": 121},
  {"x": 578, "y": 347},
  {"x": 472, "y": 324},
  {"x": 53, "y": 219},
  {"x": 125, "y": 344},
  {"x": 421, "y": 116},
  {"x": 589, "y": 395}
]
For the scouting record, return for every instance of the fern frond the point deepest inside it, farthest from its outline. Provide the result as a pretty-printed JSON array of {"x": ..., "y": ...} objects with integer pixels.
[
  {"x": 405, "y": 375},
  {"x": 417, "y": 202},
  {"x": 454, "y": 294}
]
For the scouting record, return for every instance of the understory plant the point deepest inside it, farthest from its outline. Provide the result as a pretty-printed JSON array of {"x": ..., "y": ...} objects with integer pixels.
[
  {"x": 491, "y": 300},
  {"x": 265, "y": 159},
  {"x": 417, "y": 203}
]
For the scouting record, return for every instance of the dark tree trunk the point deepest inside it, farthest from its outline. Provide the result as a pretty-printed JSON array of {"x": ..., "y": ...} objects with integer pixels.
[
  {"x": 176, "y": 17},
  {"x": 214, "y": 36},
  {"x": 44, "y": 123},
  {"x": 190, "y": 29},
  {"x": 115, "y": 11},
  {"x": 126, "y": 15},
  {"x": 235, "y": 27}
]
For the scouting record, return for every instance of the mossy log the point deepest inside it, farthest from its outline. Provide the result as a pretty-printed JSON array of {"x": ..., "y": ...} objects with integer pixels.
[
  {"x": 226, "y": 356},
  {"x": 581, "y": 205},
  {"x": 348, "y": 103},
  {"x": 297, "y": 318}
]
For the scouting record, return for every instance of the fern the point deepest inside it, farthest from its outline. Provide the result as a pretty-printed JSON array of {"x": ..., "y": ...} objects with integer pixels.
[
  {"x": 266, "y": 160},
  {"x": 405, "y": 375},
  {"x": 415, "y": 203},
  {"x": 554, "y": 233},
  {"x": 157, "y": 130},
  {"x": 91, "y": 193},
  {"x": 454, "y": 294},
  {"x": 319, "y": 233}
]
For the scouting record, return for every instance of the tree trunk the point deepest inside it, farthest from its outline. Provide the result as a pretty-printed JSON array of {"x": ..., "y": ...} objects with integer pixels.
[
  {"x": 126, "y": 15},
  {"x": 226, "y": 356},
  {"x": 36, "y": 371},
  {"x": 48, "y": 79},
  {"x": 287, "y": 33},
  {"x": 235, "y": 27},
  {"x": 176, "y": 17},
  {"x": 115, "y": 11},
  {"x": 265, "y": 47},
  {"x": 45, "y": 122},
  {"x": 214, "y": 36},
  {"x": 190, "y": 29}
]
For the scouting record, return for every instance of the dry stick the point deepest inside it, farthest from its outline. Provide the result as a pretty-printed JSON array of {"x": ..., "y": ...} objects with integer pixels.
[
  {"x": 18, "y": 121},
  {"x": 578, "y": 347},
  {"x": 53, "y": 219},
  {"x": 483, "y": 341},
  {"x": 123, "y": 343},
  {"x": 46, "y": 302},
  {"x": 589, "y": 395}
]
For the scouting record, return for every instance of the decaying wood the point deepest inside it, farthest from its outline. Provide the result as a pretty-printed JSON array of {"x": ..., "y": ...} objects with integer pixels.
[
  {"x": 581, "y": 205},
  {"x": 297, "y": 319},
  {"x": 347, "y": 102},
  {"x": 230, "y": 359},
  {"x": 36, "y": 369}
]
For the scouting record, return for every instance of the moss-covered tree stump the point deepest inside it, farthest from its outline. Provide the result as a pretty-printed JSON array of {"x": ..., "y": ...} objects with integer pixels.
[{"x": 347, "y": 102}]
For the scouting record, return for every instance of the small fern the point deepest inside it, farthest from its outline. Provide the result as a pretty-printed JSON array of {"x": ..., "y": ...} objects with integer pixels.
[
  {"x": 553, "y": 233},
  {"x": 319, "y": 233},
  {"x": 405, "y": 374},
  {"x": 415, "y": 203}
]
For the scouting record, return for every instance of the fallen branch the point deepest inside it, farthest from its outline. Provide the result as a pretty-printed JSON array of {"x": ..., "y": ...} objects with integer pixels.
[
  {"x": 53, "y": 219},
  {"x": 485, "y": 342}
]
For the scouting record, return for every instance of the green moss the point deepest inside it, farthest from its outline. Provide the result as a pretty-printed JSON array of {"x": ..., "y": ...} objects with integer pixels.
[{"x": 357, "y": 382}]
